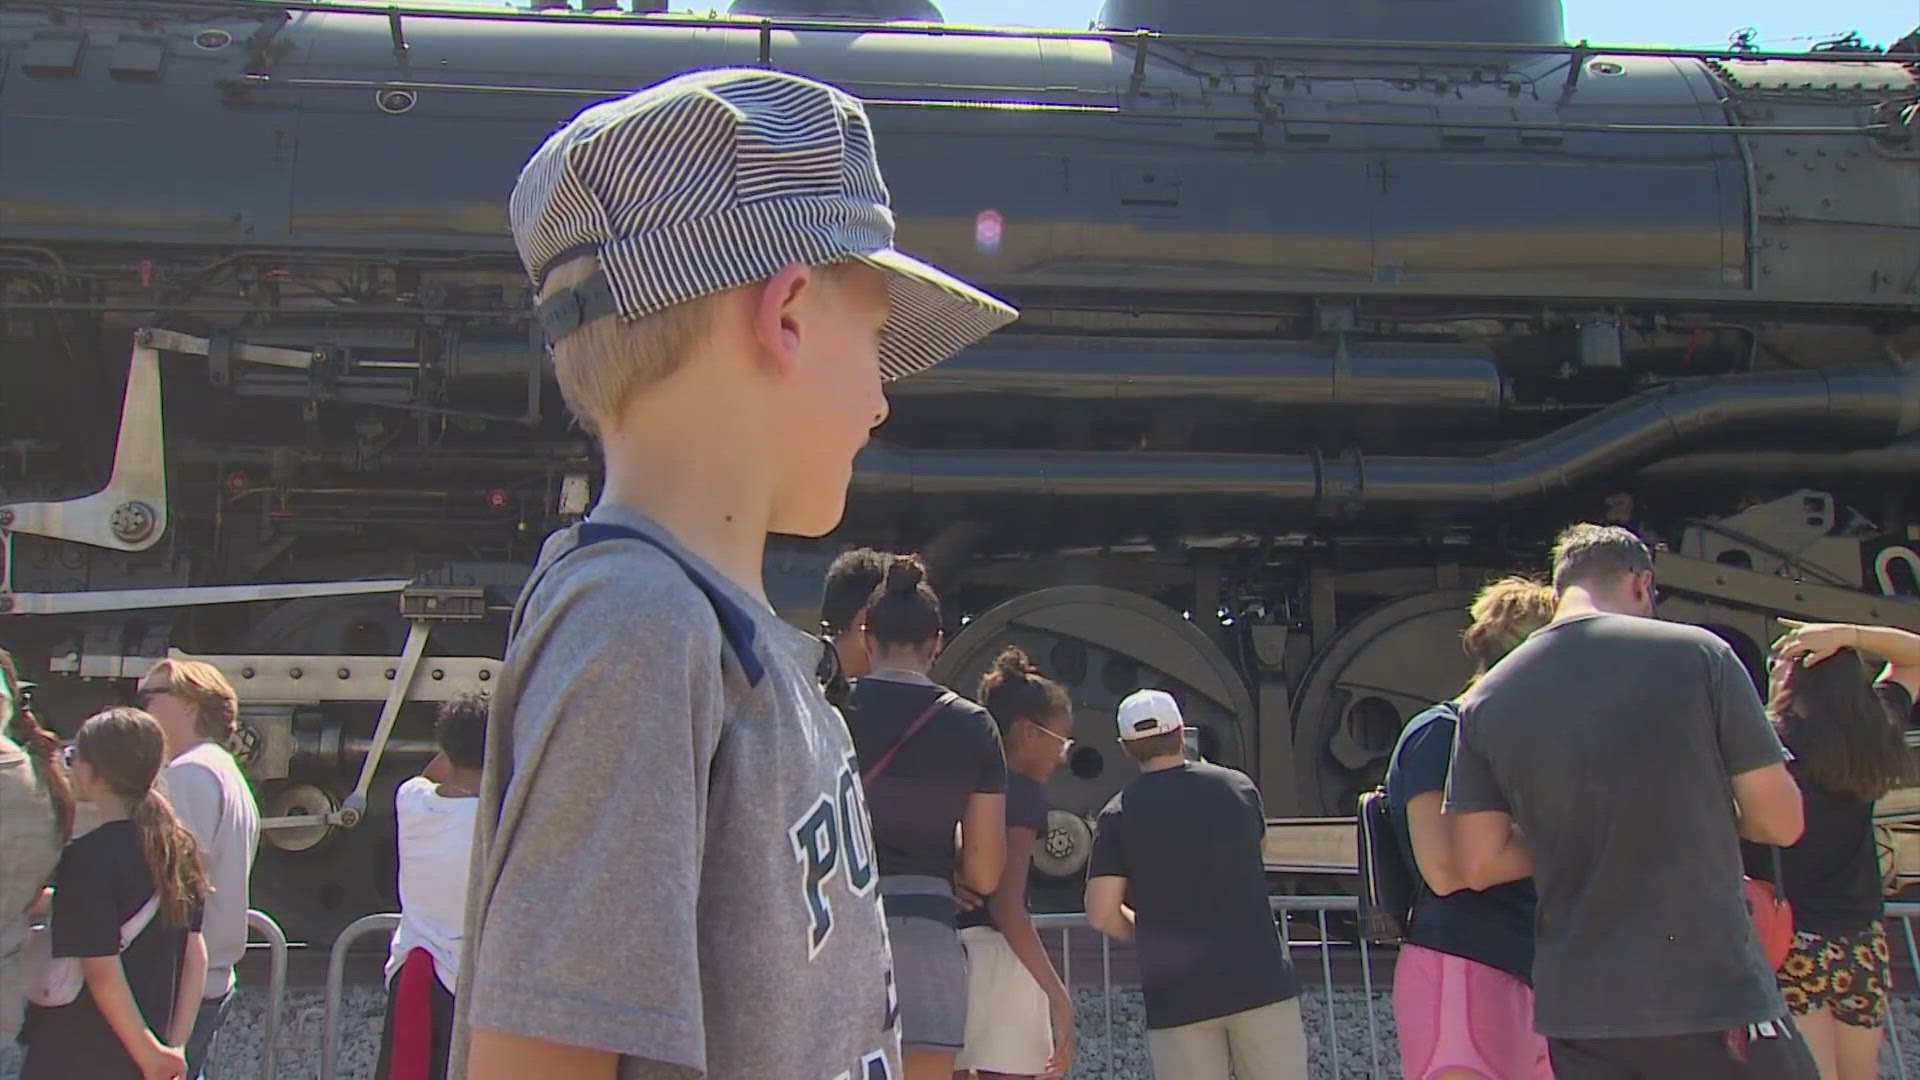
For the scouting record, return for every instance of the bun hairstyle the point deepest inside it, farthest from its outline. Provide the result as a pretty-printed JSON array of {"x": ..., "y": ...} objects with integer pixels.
[
  {"x": 904, "y": 609},
  {"x": 125, "y": 749},
  {"x": 1014, "y": 690}
]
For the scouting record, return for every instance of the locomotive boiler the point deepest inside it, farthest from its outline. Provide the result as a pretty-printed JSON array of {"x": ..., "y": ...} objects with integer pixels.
[{"x": 1330, "y": 310}]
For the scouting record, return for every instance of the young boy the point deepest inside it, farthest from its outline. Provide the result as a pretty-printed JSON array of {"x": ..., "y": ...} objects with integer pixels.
[{"x": 674, "y": 870}]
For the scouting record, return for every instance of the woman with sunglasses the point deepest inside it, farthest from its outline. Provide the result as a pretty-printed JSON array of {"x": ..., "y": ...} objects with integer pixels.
[{"x": 1020, "y": 1018}]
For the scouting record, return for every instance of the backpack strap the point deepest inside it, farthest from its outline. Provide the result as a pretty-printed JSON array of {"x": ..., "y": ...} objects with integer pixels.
[
  {"x": 736, "y": 623},
  {"x": 1440, "y": 709}
]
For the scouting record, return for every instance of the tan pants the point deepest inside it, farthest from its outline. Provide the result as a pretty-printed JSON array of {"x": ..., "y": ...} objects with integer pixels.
[{"x": 1266, "y": 1043}]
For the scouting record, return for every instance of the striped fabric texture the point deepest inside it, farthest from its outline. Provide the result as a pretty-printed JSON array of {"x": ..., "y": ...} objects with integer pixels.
[{"x": 716, "y": 179}]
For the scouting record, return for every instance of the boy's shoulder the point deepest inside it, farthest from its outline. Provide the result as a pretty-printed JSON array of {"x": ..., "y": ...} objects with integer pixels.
[{"x": 624, "y": 585}]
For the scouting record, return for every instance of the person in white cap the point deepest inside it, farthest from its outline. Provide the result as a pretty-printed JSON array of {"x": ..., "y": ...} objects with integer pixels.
[
  {"x": 1176, "y": 869},
  {"x": 674, "y": 872}
]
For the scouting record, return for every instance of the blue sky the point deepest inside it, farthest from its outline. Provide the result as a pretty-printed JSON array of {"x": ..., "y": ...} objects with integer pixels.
[{"x": 1785, "y": 25}]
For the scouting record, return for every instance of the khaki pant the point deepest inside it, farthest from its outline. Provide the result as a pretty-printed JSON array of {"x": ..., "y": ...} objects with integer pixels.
[{"x": 1266, "y": 1043}]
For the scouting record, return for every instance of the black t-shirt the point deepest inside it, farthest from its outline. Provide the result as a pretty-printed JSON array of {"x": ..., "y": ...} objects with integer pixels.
[
  {"x": 1494, "y": 927},
  {"x": 923, "y": 794},
  {"x": 1612, "y": 741},
  {"x": 1833, "y": 873},
  {"x": 1187, "y": 839},
  {"x": 101, "y": 882},
  {"x": 1026, "y": 809}
]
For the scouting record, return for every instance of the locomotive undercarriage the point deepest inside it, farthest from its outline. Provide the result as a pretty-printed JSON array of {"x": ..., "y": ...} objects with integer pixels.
[{"x": 1242, "y": 498}]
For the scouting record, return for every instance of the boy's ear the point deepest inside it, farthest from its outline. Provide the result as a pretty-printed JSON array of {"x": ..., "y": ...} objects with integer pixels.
[{"x": 776, "y": 315}]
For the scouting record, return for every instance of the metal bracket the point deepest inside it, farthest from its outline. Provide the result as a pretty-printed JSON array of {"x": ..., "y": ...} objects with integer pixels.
[
  {"x": 130, "y": 513},
  {"x": 1782, "y": 596}
]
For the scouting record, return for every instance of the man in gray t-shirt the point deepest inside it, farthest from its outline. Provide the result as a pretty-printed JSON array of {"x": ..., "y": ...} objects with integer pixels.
[{"x": 1621, "y": 746}]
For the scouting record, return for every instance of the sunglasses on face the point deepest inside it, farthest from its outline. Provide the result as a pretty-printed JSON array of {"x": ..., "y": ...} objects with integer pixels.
[
  {"x": 1066, "y": 743},
  {"x": 145, "y": 697}
]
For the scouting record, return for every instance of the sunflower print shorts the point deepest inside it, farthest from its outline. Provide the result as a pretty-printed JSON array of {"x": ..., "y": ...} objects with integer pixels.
[{"x": 1849, "y": 974}]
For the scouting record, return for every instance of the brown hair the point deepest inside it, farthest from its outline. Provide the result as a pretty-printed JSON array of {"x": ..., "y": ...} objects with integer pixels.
[
  {"x": 1014, "y": 690},
  {"x": 215, "y": 706},
  {"x": 904, "y": 609},
  {"x": 1504, "y": 613},
  {"x": 1585, "y": 552},
  {"x": 1834, "y": 723},
  {"x": 1153, "y": 746},
  {"x": 124, "y": 748},
  {"x": 41, "y": 745}
]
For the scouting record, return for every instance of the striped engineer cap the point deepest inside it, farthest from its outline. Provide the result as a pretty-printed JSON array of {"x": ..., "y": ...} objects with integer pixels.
[{"x": 716, "y": 179}]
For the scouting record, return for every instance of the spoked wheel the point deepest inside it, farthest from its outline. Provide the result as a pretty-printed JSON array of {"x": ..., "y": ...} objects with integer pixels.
[{"x": 1102, "y": 644}]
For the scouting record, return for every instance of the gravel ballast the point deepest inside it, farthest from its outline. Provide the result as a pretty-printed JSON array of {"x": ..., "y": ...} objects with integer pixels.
[{"x": 1356, "y": 1049}]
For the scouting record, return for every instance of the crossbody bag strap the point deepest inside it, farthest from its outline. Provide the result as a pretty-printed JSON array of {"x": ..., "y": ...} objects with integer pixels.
[
  {"x": 873, "y": 772},
  {"x": 134, "y": 925}
]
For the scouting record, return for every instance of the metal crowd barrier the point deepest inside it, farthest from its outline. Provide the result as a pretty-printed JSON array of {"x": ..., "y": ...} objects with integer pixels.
[
  {"x": 1899, "y": 917},
  {"x": 337, "y": 975},
  {"x": 1288, "y": 908},
  {"x": 276, "y": 939}
]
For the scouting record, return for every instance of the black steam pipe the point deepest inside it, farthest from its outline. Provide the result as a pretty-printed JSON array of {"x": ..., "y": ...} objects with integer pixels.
[
  {"x": 1357, "y": 375},
  {"x": 1867, "y": 406},
  {"x": 1897, "y": 460}
]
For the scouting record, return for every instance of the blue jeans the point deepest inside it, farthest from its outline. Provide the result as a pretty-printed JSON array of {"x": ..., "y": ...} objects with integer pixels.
[{"x": 206, "y": 1023}]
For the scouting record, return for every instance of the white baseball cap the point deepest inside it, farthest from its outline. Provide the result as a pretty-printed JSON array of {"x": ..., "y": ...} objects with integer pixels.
[{"x": 1148, "y": 712}]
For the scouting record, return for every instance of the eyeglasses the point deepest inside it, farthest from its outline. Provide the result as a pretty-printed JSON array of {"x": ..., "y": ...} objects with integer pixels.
[
  {"x": 1066, "y": 744},
  {"x": 144, "y": 697}
]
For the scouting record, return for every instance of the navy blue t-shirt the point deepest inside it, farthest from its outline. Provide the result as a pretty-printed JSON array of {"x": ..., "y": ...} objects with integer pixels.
[
  {"x": 1494, "y": 927},
  {"x": 1026, "y": 809}
]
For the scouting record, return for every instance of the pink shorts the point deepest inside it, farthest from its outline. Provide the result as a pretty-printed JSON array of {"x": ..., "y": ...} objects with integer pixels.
[{"x": 1464, "y": 1019}]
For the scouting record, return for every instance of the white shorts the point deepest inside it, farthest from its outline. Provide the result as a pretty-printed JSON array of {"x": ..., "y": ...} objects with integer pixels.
[{"x": 1009, "y": 1023}]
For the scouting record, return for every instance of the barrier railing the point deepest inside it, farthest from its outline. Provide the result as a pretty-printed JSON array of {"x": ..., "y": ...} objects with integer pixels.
[
  {"x": 276, "y": 939},
  {"x": 336, "y": 976},
  {"x": 1899, "y": 917}
]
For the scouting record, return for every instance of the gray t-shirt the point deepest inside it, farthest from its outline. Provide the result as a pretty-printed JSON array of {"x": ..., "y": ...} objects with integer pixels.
[
  {"x": 673, "y": 859},
  {"x": 1611, "y": 740}
]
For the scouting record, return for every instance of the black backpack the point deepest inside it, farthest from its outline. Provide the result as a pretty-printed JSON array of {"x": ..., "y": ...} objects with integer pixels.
[
  {"x": 1389, "y": 878},
  {"x": 1387, "y": 887}
]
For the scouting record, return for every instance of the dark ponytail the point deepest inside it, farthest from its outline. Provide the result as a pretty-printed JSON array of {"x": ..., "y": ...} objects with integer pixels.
[
  {"x": 1014, "y": 690},
  {"x": 904, "y": 609},
  {"x": 42, "y": 746},
  {"x": 124, "y": 747}
]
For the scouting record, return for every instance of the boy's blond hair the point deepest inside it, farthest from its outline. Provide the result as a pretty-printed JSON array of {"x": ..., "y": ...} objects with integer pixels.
[
  {"x": 602, "y": 364},
  {"x": 216, "y": 707}
]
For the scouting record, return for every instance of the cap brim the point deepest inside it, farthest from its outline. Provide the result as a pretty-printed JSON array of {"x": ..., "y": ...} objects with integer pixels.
[{"x": 934, "y": 314}]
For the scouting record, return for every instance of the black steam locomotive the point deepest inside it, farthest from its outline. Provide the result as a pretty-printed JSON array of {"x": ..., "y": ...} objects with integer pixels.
[{"x": 1330, "y": 310}]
